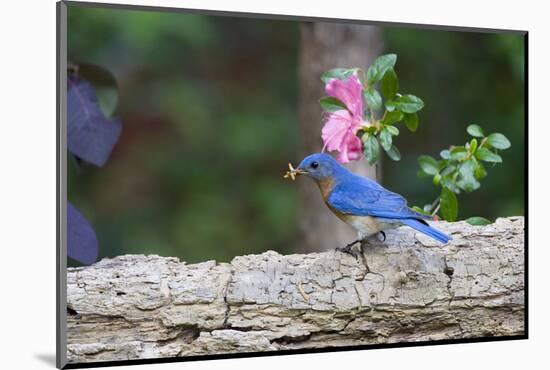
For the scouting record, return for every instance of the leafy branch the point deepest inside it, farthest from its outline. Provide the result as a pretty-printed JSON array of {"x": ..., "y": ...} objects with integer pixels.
[
  {"x": 363, "y": 110},
  {"x": 460, "y": 169},
  {"x": 385, "y": 106}
]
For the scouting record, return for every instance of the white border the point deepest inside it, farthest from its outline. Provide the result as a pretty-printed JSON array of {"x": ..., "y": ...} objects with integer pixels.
[{"x": 28, "y": 186}]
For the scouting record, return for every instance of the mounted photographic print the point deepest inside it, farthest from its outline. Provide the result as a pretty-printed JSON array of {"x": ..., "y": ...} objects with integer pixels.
[{"x": 237, "y": 184}]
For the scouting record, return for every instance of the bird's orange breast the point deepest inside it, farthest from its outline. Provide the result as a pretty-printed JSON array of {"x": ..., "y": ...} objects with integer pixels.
[{"x": 326, "y": 185}]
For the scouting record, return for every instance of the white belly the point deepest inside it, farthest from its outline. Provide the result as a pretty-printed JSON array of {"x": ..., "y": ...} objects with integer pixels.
[{"x": 366, "y": 225}]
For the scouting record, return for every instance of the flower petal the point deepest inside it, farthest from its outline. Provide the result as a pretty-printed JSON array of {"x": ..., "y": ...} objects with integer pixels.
[
  {"x": 339, "y": 134},
  {"x": 334, "y": 131},
  {"x": 348, "y": 92},
  {"x": 351, "y": 148}
]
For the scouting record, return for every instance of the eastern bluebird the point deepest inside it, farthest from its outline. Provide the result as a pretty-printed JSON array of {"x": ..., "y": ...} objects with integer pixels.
[{"x": 362, "y": 203}]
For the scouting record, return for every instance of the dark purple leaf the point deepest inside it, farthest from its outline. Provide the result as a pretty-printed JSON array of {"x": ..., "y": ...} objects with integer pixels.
[
  {"x": 82, "y": 242},
  {"x": 104, "y": 85},
  {"x": 91, "y": 136}
]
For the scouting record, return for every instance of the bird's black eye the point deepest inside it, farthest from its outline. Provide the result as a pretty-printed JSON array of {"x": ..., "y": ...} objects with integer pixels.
[{"x": 314, "y": 165}]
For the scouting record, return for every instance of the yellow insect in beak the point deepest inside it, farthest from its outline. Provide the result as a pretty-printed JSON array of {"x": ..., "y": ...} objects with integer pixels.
[{"x": 293, "y": 172}]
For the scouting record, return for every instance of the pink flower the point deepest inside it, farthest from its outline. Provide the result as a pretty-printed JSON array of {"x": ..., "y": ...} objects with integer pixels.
[
  {"x": 348, "y": 92},
  {"x": 339, "y": 132}
]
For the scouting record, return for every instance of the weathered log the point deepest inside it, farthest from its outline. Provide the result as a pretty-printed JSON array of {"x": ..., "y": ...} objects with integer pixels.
[{"x": 414, "y": 289}]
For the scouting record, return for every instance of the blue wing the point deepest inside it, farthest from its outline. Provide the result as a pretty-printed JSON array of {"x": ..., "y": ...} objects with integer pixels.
[
  {"x": 363, "y": 197},
  {"x": 359, "y": 196}
]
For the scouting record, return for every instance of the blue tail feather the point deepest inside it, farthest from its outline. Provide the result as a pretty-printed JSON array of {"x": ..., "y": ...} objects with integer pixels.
[{"x": 426, "y": 229}]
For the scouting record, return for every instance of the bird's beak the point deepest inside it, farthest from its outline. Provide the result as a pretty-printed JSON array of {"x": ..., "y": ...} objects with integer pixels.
[{"x": 293, "y": 172}]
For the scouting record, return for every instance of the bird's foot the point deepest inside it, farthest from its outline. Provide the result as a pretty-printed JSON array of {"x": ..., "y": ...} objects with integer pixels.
[
  {"x": 348, "y": 249},
  {"x": 366, "y": 264}
]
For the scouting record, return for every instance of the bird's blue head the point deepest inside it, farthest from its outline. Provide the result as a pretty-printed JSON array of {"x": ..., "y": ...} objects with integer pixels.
[{"x": 320, "y": 166}]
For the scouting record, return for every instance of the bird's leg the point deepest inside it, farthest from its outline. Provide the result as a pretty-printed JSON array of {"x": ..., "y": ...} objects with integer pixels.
[
  {"x": 364, "y": 259},
  {"x": 349, "y": 248},
  {"x": 362, "y": 247}
]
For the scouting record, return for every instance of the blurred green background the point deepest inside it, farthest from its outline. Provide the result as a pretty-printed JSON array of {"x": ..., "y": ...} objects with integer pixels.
[{"x": 209, "y": 112}]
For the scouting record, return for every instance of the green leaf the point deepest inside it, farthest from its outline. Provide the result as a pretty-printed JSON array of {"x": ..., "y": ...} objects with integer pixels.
[
  {"x": 393, "y": 153},
  {"x": 498, "y": 141},
  {"x": 459, "y": 153},
  {"x": 467, "y": 180},
  {"x": 391, "y": 106},
  {"x": 449, "y": 182},
  {"x": 411, "y": 120},
  {"x": 373, "y": 98},
  {"x": 392, "y": 117},
  {"x": 338, "y": 73},
  {"x": 445, "y": 154},
  {"x": 420, "y": 210},
  {"x": 369, "y": 129},
  {"x": 473, "y": 145},
  {"x": 475, "y": 130},
  {"x": 392, "y": 130},
  {"x": 436, "y": 179},
  {"x": 448, "y": 170},
  {"x": 478, "y": 221},
  {"x": 480, "y": 172},
  {"x": 389, "y": 84},
  {"x": 371, "y": 149},
  {"x": 441, "y": 164},
  {"x": 486, "y": 155},
  {"x": 385, "y": 139},
  {"x": 449, "y": 204},
  {"x": 378, "y": 68},
  {"x": 331, "y": 104},
  {"x": 428, "y": 164},
  {"x": 408, "y": 104}
]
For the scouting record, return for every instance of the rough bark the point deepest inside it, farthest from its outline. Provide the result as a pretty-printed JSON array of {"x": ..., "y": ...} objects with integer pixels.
[
  {"x": 136, "y": 307},
  {"x": 325, "y": 46}
]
